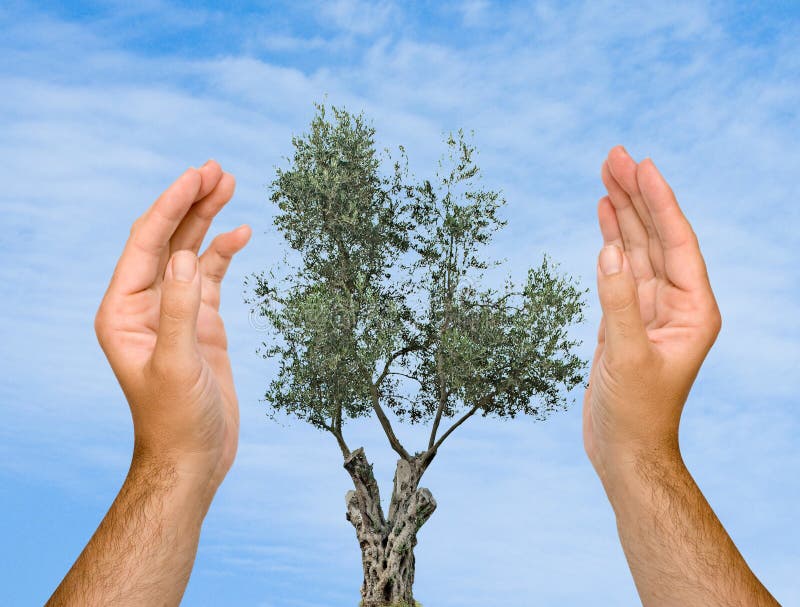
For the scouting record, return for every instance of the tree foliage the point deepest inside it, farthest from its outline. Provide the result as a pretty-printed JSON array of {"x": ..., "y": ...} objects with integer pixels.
[{"x": 384, "y": 308}]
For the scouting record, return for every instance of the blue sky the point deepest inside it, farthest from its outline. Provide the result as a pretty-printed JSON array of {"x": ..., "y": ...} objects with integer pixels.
[{"x": 104, "y": 104}]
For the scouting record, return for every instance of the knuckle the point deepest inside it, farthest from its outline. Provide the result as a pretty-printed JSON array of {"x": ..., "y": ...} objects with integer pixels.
[
  {"x": 163, "y": 368},
  {"x": 135, "y": 225},
  {"x": 215, "y": 276},
  {"x": 162, "y": 364},
  {"x": 626, "y": 303},
  {"x": 625, "y": 330},
  {"x": 101, "y": 324},
  {"x": 172, "y": 370},
  {"x": 711, "y": 321},
  {"x": 716, "y": 321},
  {"x": 631, "y": 356},
  {"x": 177, "y": 303},
  {"x": 714, "y": 328},
  {"x": 218, "y": 245},
  {"x": 169, "y": 335},
  {"x": 618, "y": 298},
  {"x": 174, "y": 312}
]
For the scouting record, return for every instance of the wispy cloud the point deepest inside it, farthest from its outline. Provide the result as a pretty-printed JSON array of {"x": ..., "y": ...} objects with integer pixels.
[{"x": 357, "y": 16}]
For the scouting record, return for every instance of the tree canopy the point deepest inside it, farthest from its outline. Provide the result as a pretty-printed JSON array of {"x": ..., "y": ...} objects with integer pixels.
[{"x": 378, "y": 305}]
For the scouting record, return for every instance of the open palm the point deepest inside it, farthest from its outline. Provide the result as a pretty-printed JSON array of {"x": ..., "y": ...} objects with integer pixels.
[
  {"x": 674, "y": 318},
  {"x": 135, "y": 323}
]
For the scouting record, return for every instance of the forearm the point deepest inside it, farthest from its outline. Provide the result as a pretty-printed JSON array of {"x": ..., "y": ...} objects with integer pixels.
[
  {"x": 678, "y": 551},
  {"x": 143, "y": 551}
]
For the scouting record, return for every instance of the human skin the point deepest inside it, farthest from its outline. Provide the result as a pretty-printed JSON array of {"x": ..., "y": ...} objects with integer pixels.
[
  {"x": 160, "y": 328},
  {"x": 660, "y": 319}
]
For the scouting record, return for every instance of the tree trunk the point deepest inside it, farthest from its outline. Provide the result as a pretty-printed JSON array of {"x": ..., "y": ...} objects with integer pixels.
[{"x": 387, "y": 545}]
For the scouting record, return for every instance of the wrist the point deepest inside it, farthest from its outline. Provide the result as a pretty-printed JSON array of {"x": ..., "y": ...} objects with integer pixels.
[
  {"x": 631, "y": 476},
  {"x": 185, "y": 486}
]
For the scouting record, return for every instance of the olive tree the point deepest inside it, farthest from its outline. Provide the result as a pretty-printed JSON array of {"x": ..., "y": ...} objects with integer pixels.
[{"x": 378, "y": 311}]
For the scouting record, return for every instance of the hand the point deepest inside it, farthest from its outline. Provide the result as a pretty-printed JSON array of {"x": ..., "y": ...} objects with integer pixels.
[
  {"x": 660, "y": 318},
  {"x": 160, "y": 328}
]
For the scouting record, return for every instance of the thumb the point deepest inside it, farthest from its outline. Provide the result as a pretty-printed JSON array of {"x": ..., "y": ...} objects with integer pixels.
[
  {"x": 616, "y": 286},
  {"x": 180, "y": 303}
]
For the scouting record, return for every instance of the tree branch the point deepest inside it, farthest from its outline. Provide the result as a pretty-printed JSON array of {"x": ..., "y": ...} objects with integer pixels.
[
  {"x": 337, "y": 433},
  {"x": 342, "y": 445},
  {"x": 376, "y": 406},
  {"x": 431, "y": 452},
  {"x": 386, "y": 425},
  {"x": 406, "y": 375},
  {"x": 442, "y": 392},
  {"x": 442, "y": 400},
  {"x": 402, "y": 351},
  {"x": 439, "y": 362},
  {"x": 463, "y": 418}
]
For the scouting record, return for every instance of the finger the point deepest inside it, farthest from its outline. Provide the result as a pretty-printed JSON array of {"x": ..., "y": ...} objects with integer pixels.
[
  {"x": 609, "y": 225},
  {"x": 625, "y": 334},
  {"x": 193, "y": 228},
  {"x": 633, "y": 233},
  {"x": 609, "y": 228},
  {"x": 217, "y": 257},
  {"x": 623, "y": 169},
  {"x": 211, "y": 173},
  {"x": 138, "y": 266},
  {"x": 176, "y": 341},
  {"x": 683, "y": 262}
]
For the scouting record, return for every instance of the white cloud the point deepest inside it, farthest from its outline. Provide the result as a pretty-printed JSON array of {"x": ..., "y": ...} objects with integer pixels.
[
  {"x": 284, "y": 42},
  {"x": 357, "y": 16},
  {"x": 474, "y": 12}
]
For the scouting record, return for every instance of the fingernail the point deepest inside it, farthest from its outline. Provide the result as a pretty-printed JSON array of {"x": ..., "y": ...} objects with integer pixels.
[
  {"x": 610, "y": 260},
  {"x": 184, "y": 266}
]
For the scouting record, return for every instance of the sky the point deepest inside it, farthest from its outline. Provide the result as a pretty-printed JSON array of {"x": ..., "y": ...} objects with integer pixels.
[{"x": 105, "y": 104}]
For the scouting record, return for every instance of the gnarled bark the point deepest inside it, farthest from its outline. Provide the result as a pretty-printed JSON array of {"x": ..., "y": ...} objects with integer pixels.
[{"x": 387, "y": 545}]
